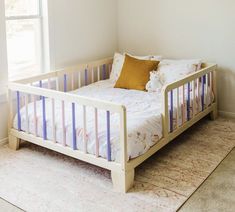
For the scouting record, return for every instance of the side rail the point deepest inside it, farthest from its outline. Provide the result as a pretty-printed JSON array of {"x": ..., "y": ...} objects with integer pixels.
[
  {"x": 21, "y": 96},
  {"x": 188, "y": 100},
  {"x": 72, "y": 78}
]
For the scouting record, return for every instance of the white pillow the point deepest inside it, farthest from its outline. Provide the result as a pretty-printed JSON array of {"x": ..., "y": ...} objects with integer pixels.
[
  {"x": 170, "y": 73},
  {"x": 118, "y": 62},
  {"x": 195, "y": 62}
]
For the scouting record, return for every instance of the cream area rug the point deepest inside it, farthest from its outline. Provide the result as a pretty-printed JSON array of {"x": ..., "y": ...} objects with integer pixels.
[{"x": 36, "y": 179}]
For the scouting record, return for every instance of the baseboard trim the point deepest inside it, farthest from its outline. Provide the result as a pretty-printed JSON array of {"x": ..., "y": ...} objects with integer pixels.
[
  {"x": 3, "y": 141},
  {"x": 227, "y": 114}
]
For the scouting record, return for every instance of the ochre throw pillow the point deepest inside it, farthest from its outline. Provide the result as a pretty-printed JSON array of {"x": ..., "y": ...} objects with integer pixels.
[{"x": 135, "y": 73}]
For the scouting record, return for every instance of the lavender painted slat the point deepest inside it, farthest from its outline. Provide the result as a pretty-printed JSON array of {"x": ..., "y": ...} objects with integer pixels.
[
  {"x": 171, "y": 112},
  {"x": 18, "y": 111},
  {"x": 108, "y": 136},
  {"x": 104, "y": 72},
  {"x": 74, "y": 127},
  {"x": 40, "y": 85},
  {"x": 203, "y": 92},
  {"x": 65, "y": 83},
  {"x": 44, "y": 124},
  {"x": 188, "y": 103},
  {"x": 86, "y": 77}
]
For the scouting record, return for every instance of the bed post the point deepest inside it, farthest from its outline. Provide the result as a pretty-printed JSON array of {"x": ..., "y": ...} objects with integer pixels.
[
  {"x": 214, "y": 112},
  {"x": 123, "y": 178},
  {"x": 14, "y": 142}
]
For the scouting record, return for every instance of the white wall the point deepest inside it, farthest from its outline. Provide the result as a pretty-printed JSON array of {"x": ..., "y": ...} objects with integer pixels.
[
  {"x": 183, "y": 29},
  {"x": 3, "y": 76},
  {"x": 81, "y": 30}
]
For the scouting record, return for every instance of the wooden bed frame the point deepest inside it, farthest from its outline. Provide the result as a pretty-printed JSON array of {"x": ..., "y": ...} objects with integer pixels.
[{"x": 54, "y": 85}]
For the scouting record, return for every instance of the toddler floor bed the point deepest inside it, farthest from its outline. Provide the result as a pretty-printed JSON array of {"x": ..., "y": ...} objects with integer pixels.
[{"x": 77, "y": 112}]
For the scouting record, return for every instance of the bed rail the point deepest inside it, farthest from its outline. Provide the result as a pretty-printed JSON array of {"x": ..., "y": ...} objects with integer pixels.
[
  {"x": 54, "y": 86},
  {"x": 199, "y": 85}
]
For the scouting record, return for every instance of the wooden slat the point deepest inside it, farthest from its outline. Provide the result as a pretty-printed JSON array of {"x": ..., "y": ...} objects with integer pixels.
[
  {"x": 211, "y": 90},
  {"x": 86, "y": 77},
  {"x": 188, "y": 102},
  {"x": 206, "y": 90},
  {"x": 177, "y": 107},
  {"x": 35, "y": 115},
  {"x": 171, "y": 111},
  {"x": 11, "y": 116},
  {"x": 84, "y": 130},
  {"x": 108, "y": 136},
  {"x": 53, "y": 120},
  {"x": 203, "y": 93},
  {"x": 18, "y": 111},
  {"x": 44, "y": 123},
  {"x": 194, "y": 99},
  {"x": 63, "y": 124},
  {"x": 92, "y": 75},
  {"x": 27, "y": 112},
  {"x": 183, "y": 104},
  {"x": 72, "y": 81},
  {"x": 79, "y": 80},
  {"x": 123, "y": 138},
  {"x": 57, "y": 84},
  {"x": 74, "y": 127},
  {"x": 96, "y": 133},
  {"x": 198, "y": 94},
  {"x": 65, "y": 83},
  {"x": 98, "y": 73},
  {"x": 104, "y": 72}
]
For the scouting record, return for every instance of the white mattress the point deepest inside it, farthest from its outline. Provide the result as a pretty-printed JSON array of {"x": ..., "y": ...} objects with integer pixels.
[{"x": 144, "y": 120}]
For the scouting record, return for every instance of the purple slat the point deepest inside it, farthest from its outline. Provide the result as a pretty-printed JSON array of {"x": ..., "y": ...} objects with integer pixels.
[
  {"x": 44, "y": 123},
  {"x": 74, "y": 127},
  {"x": 65, "y": 83},
  {"x": 18, "y": 111},
  {"x": 108, "y": 136},
  {"x": 86, "y": 77},
  {"x": 40, "y": 85},
  {"x": 104, "y": 72},
  {"x": 171, "y": 112},
  {"x": 188, "y": 103},
  {"x": 203, "y": 91}
]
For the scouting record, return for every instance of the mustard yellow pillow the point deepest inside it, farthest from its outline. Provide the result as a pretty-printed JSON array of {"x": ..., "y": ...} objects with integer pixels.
[{"x": 135, "y": 73}]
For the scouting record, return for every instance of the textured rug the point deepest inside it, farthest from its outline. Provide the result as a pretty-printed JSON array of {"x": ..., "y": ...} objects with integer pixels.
[{"x": 36, "y": 179}]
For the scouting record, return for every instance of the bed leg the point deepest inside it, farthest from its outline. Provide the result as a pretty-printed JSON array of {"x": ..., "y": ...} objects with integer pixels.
[
  {"x": 14, "y": 142},
  {"x": 123, "y": 181},
  {"x": 214, "y": 114}
]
